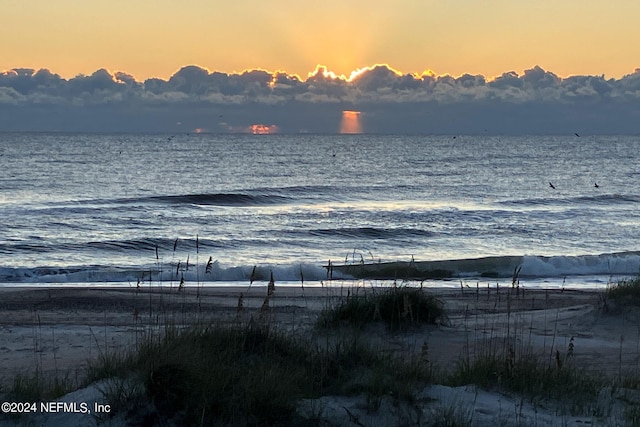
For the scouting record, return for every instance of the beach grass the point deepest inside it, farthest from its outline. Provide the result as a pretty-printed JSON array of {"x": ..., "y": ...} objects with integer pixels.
[
  {"x": 528, "y": 375},
  {"x": 250, "y": 370},
  {"x": 248, "y": 374},
  {"x": 398, "y": 307},
  {"x": 35, "y": 386},
  {"x": 625, "y": 292}
]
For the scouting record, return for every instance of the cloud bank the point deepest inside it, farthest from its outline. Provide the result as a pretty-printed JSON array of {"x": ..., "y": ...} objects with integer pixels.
[{"x": 535, "y": 102}]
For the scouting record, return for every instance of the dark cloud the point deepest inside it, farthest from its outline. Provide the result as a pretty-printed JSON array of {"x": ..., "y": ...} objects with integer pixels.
[
  {"x": 630, "y": 84},
  {"x": 377, "y": 78},
  {"x": 536, "y": 101}
]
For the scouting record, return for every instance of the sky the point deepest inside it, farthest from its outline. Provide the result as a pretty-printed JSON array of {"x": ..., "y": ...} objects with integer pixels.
[{"x": 156, "y": 40}]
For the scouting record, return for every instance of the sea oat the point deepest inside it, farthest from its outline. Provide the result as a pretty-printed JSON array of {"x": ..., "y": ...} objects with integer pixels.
[
  {"x": 240, "y": 303},
  {"x": 558, "y": 360},
  {"x": 570, "y": 349},
  {"x": 271, "y": 287},
  {"x": 265, "y": 304},
  {"x": 252, "y": 277}
]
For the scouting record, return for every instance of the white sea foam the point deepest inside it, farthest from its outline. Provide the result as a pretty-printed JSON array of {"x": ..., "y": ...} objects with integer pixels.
[
  {"x": 605, "y": 264},
  {"x": 599, "y": 268}
]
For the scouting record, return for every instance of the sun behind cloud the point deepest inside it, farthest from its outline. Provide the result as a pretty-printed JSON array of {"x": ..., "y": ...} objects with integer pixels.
[
  {"x": 262, "y": 129},
  {"x": 350, "y": 122}
]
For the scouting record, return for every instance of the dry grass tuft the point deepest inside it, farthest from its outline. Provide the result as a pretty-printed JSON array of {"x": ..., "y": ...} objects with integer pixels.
[{"x": 397, "y": 307}]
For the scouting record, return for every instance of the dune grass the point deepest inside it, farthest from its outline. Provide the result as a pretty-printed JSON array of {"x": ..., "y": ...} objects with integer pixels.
[
  {"x": 251, "y": 373},
  {"x": 528, "y": 375},
  {"x": 247, "y": 374},
  {"x": 625, "y": 292},
  {"x": 397, "y": 307},
  {"x": 37, "y": 386}
]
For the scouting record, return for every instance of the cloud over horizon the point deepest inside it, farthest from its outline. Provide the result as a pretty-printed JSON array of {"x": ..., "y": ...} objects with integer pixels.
[{"x": 535, "y": 102}]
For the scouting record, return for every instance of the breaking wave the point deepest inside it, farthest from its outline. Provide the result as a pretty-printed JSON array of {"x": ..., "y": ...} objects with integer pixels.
[{"x": 536, "y": 267}]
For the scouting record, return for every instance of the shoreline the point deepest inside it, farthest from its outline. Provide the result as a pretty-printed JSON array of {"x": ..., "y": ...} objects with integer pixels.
[{"x": 577, "y": 282}]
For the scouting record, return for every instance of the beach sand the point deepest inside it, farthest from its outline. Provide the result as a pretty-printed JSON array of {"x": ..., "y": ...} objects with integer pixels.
[{"x": 60, "y": 329}]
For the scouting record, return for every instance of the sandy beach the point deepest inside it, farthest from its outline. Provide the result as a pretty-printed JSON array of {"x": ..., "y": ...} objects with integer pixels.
[{"x": 60, "y": 329}]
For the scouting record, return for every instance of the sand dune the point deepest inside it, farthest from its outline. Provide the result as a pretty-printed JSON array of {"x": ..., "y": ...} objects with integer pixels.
[{"x": 62, "y": 329}]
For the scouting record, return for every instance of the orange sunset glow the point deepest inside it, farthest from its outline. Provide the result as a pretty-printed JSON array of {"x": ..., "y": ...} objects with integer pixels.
[
  {"x": 155, "y": 39},
  {"x": 350, "y": 122},
  {"x": 258, "y": 67},
  {"x": 324, "y": 71},
  {"x": 261, "y": 129}
]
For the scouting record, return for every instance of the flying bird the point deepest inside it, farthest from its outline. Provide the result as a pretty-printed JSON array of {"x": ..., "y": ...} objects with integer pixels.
[
  {"x": 552, "y": 186},
  {"x": 596, "y": 185},
  {"x": 576, "y": 134}
]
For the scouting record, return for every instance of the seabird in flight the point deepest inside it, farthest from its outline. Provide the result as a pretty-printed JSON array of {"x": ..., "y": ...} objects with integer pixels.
[{"x": 552, "y": 186}]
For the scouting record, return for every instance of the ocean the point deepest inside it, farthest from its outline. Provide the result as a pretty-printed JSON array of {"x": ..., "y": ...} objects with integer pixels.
[{"x": 211, "y": 209}]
